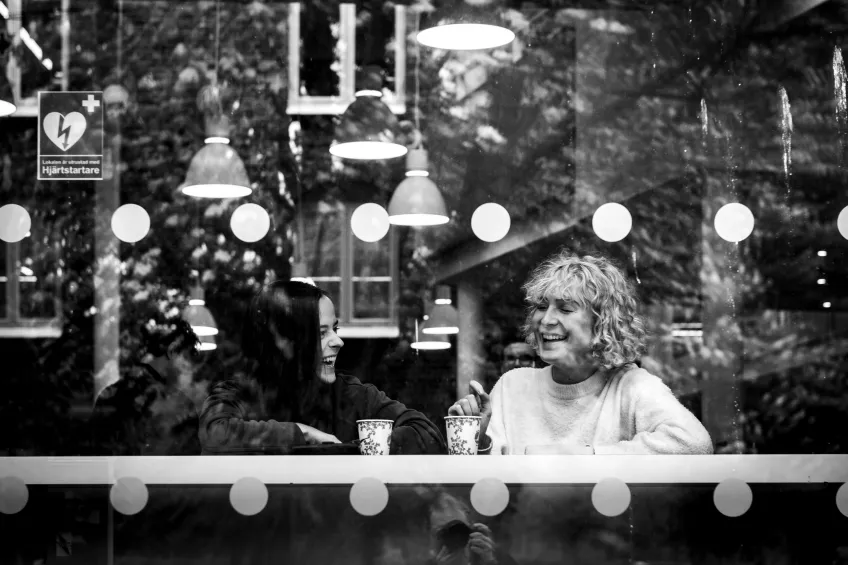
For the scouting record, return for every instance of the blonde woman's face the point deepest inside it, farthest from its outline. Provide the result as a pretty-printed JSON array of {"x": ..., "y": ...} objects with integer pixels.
[{"x": 563, "y": 333}]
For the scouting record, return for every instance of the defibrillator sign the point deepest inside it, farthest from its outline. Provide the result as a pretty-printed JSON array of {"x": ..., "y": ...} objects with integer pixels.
[{"x": 70, "y": 136}]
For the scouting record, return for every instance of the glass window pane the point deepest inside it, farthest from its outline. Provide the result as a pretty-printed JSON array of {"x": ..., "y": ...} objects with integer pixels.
[
  {"x": 371, "y": 299},
  {"x": 37, "y": 265},
  {"x": 3, "y": 280},
  {"x": 322, "y": 243}
]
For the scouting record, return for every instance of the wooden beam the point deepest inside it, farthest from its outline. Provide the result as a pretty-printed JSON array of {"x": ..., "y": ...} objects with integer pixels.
[{"x": 476, "y": 253}]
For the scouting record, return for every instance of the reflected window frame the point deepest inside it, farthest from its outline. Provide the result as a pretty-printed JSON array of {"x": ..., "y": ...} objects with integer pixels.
[
  {"x": 12, "y": 324},
  {"x": 351, "y": 326}
]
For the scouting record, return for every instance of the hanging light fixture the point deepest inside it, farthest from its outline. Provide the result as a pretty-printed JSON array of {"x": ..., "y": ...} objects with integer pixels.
[
  {"x": 207, "y": 343},
  {"x": 299, "y": 273},
  {"x": 429, "y": 342},
  {"x": 367, "y": 129},
  {"x": 198, "y": 315},
  {"x": 443, "y": 318},
  {"x": 417, "y": 200},
  {"x": 7, "y": 97},
  {"x": 468, "y": 28},
  {"x": 216, "y": 171}
]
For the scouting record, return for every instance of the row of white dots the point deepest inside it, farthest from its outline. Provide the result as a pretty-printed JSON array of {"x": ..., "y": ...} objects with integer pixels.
[
  {"x": 369, "y": 496},
  {"x": 611, "y": 222}
]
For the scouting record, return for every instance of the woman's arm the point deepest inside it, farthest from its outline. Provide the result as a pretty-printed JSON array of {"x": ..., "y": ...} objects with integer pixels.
[
  {"x": 412, "y": 433},
  {"x": 496, "y": 431},
  {"x": 224, "y": 427},
  {"x": 663, "y": 425}
]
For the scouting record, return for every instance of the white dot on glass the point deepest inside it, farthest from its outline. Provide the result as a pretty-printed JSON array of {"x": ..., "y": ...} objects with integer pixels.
[
  {"x": 822, "y": 281},
  {"x": 842, "y": 499},
  {"x": 734, "y": 222},
  {"x": 612, "y": 222},
  {"x": 130, "y": 223},
  {"x": 490, "y": 222},
  {"x": 249, "y": 496},
  {"x": 370, "y": 222},
  {"x": 842, "y": 223},
  {"x": 13, "y": 495},
  {"x": 822, "y": 253},
  {"x": 611, "y": 497},
  {"x": 250, "y": 222},
  {"x": 733, "y": 497},
  {"x": 14, "y": 223},
  {"x": 128, "y": 495},
  {"x": 369, "y": 496},
  {"x": 827, "y": 305},
  {"x": 489, "y": 497}
]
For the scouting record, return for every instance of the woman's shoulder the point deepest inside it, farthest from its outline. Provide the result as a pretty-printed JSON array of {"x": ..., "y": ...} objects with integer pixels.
[
  {"x": 634, "y": 379},
  {"x": 521, "y": 377}
]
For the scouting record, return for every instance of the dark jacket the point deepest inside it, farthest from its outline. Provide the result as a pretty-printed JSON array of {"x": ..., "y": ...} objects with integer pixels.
[
  {"x": 142, "y": 414},
  {"x": 236, "y": 419}
]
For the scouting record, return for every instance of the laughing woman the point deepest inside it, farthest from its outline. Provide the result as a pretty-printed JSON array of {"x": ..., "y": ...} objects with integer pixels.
[
  {"x": 591, "y": 398},
  {"x": 294, "y": 395}
]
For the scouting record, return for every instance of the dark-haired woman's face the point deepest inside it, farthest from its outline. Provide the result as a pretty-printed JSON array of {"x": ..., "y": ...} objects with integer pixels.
[{"x": 331, "y": 343}]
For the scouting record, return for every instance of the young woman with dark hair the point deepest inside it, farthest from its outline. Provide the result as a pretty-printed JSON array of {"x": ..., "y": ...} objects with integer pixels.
[{"x": 293, "y": 395}]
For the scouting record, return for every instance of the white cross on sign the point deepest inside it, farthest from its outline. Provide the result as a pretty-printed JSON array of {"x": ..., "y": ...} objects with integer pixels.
[{"x": 91, "y": 104}]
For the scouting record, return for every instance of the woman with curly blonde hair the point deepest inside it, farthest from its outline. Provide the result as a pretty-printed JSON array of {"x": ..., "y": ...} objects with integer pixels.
[{"x": 592, "y": 397}]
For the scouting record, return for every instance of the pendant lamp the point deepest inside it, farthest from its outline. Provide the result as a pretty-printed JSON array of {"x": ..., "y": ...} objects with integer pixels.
[
  {"x": 216, "y": 171},
  {"x": 431, "y": 342},
  {"x": 368, "y": 129},
  {"x": 299, "y": 273},
  {"x": 198, "y": 315},
  {"x": 417, "y": 200},
  {"x": 443, "y": 318},
  {"x": 7, "y": 97},
  {"x": 468, "y": 27},
  {"x": 207, "y": 343}
]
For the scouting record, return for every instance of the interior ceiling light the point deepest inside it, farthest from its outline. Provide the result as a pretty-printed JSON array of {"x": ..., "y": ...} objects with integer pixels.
[
  {"x": 417, "y": 200},
  {"x": 431, "y": 342},
  {"x": 216, "y": 171},
  {"x": 443, "y": 318},
  {"x": 368, "y": 129},
  {"x": 7, "y": 98},
  {"x": 468, "y": 28},
  {"x": 198, "y": 315}
]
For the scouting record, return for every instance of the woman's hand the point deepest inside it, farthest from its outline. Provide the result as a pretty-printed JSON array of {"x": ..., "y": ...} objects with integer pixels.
[
  {"x": 316, "y": 437},
  {"x": 571, "y": 448},
  {"x": 475, "y": 404},
  {"x": 481, "y": 546}
]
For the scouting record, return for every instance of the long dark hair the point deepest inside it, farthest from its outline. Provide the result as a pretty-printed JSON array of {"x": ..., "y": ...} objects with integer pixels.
[{"x": 291, "y": 308}]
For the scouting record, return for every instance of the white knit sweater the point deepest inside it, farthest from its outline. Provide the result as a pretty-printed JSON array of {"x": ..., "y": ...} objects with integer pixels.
[{"x": 621, "y": 411}]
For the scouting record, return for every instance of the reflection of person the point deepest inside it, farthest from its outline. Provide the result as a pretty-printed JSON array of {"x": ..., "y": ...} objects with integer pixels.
[
  {"x": 592, "y": 398},
  {"x": 146, "y": 413},
  {"x": 518, "y": 354},
  {"x": 295, "y": 396},
  {"x": 456, "y": 539}
]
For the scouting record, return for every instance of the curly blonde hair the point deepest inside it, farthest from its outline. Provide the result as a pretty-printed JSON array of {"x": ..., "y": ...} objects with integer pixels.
[{"x": 594, "y": 283}]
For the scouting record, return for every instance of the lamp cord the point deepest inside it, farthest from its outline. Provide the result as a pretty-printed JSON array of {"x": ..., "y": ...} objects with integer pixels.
[
  {"x": 217, "y": 38},
  {"x": 418, "y": 140}
]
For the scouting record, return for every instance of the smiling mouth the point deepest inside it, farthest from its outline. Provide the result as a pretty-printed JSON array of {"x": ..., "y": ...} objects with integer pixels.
[
  {"x": 552, "y": 338},
  {"x": 329, "y": 361}
]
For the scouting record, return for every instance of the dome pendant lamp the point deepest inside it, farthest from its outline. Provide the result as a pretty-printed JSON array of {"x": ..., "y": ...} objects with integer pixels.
[
  {"x": 443, "y": 318},
  {"x": 368, "y": 129},
  {"x": 429, "y": 342},
  {"x": 417, "y": 200},
  {"x": 474, "y": 25},
  {"x": 198, "y": 315},
  {"x": 7, "y": 97},
  {"x": 216, "y": 171}
]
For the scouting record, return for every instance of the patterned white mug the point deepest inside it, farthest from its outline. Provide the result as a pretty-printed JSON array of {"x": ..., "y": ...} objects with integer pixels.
[
  {"x": 463, "y": 434},
  {"x": 375, "y": 436}
]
